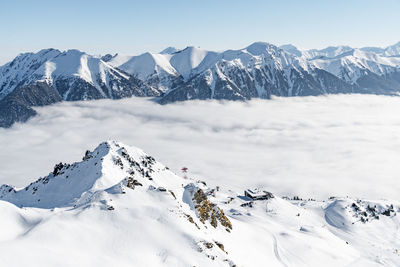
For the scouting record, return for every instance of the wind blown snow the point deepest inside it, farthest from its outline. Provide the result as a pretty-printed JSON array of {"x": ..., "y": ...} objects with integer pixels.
[{"x": 307, "y": 146}]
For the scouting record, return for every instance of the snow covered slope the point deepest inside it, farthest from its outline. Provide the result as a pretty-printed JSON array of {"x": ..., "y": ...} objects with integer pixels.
[
  {"x": 121, "y": 207},
  {"x": 155, "y": 69},
  {"x": 331, "y": 51},
  {"x": 168, "y": 69},
  {"x": 22, "y": 68},
  {"x": 393, "y": 50},
  {"x": 354, "y": 64},
  {"x": 75, "y": 75},
  {"x": 370, "y": 69},
  {"x": 257, "y": 71},
  {"x": 334, "y": 51},
  {"x": 169, "y": 50},
  {"x": 188, "y": 59},
  {"x": 71, "y": 75}
]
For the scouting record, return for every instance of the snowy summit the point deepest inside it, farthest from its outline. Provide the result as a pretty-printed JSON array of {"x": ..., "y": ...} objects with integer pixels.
[{"x": 260, "y": 70}]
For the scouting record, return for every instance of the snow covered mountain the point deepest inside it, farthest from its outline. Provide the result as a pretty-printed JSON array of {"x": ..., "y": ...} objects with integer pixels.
[
  {"x": 393, "y": 50},
  {"x": 334, "y": 51},
  {"x": 70, "y": 75},
  {"x": 371, "y": 69},
  {"x": 155, "y": 69},
  {"x": 166, "y": 70},
  {"x": 169, "y": 50},
  {"x": 257, "y": 71},
  {"x": 365, "y": 69},
  {"x": 121, "y": 207},
  {"x": 75, "y": 75}
]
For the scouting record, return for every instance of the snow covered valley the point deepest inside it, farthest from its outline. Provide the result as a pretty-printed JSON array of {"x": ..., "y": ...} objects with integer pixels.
[{"x": 330, "y": 162}]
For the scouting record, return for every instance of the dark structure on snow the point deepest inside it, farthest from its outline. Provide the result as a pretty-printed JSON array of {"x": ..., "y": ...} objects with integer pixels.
[{"x": 257, "y": 194}]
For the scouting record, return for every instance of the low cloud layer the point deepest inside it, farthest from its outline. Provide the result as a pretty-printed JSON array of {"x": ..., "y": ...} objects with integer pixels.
[{"x": 310, "y": 146}]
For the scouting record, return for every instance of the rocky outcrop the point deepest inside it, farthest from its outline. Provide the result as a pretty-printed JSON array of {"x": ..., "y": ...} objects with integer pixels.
[{"x": 205, "y": 210}]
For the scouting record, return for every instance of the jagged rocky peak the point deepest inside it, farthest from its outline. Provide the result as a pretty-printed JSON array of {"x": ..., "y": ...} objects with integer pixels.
[{"x": 111, "y": 166}]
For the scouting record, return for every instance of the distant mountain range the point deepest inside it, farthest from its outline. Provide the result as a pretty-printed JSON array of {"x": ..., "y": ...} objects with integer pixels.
[{"x": 257, "y": 71}]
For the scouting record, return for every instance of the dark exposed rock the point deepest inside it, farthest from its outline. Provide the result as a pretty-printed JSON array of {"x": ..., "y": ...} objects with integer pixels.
[
  {"x": 58, "y": 168},
  {"x": 208, "y": 211},
  {"x": 17, "y": 106},
  {"x": 131, "y": 183}
]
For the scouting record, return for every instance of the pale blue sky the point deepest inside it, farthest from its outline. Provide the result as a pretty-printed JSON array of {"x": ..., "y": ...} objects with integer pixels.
[{"x": 132, "y": 27}]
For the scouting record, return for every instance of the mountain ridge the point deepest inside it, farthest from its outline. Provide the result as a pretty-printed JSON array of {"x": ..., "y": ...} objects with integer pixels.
[{"x": 259, "y": 70}]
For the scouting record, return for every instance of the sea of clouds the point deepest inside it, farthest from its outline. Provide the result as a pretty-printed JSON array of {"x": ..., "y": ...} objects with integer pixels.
[{"x": 308, "y": 146}]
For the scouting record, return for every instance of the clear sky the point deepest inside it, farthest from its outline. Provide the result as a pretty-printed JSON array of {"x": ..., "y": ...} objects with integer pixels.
[{"x": 132, "y": 27}]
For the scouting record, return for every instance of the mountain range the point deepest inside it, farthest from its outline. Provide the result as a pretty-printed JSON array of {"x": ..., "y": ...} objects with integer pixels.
[
  {"x": 260, "y": 70},
  {"x": 119, "y": 206}
]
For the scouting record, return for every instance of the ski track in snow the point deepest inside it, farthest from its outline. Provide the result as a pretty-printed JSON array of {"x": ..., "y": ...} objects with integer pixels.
[{"x": 276, "y": 251}]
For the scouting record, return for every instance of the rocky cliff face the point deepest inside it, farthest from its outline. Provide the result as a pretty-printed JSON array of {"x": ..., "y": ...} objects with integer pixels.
[{"x": 17, "y": 106}]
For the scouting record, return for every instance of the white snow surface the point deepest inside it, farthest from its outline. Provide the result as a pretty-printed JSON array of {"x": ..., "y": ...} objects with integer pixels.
[
  {"x": 393, "y": 50},
  {"x": 21, "y": 68},
  {"x": 172, "y": 66},
  {"x": 334, "y": 51},
  {"x": 173, "y": 62},
  {"x": 192, "y": 61},
  {"x": 86, "y": 214},
  {"x": 48, "y": 65},
  {"x": 350, "y": 63},
  {"x": 169, "y": 50},
  {"x": 145, "y": 65}
]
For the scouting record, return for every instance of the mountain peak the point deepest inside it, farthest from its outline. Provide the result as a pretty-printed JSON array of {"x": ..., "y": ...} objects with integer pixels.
[
  {"x": 48, "y": 50},
  {"x": 169, "y": 50},
  {"x": 107, "y": 168},
  {"x": 74, "y": 52},
  {"x": 188, "y": 59},
  {"x": 290, "y": 46},
  {"x": 291, "y": 49},
  {"x": 258, "y": 48}
]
